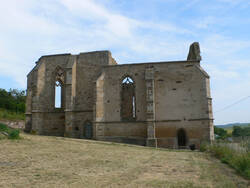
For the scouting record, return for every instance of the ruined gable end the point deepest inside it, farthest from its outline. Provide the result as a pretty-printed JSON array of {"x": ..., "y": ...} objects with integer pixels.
[{"x": 194, "y": 52}]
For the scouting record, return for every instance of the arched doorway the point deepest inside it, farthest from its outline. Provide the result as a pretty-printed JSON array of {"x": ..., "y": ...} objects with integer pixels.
[
  {"x": 88, "y": 130},
  {"x": 182, "y": 138}
]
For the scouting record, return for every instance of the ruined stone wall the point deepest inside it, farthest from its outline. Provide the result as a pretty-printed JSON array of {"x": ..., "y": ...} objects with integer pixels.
[
  {"x": 182, "y": 97},
  {"x": 31, "y": 87},
  {"x": 181, "y": 100},
  {"x": 109, "y": 124},
  {"x": 168, "y": 97},
  {"x": 77, "y": 75},
  {"x": 112, "y": 81},
  {"x": 85, "y": 72},
  {"x": 42, "y": 115}
]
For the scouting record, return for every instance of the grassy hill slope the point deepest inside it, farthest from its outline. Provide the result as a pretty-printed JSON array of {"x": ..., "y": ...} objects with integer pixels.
[{"x": 43, "y": 161}]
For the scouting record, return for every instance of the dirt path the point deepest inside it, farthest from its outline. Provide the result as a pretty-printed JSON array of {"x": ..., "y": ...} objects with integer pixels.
[{"x": 40, "y": 161}]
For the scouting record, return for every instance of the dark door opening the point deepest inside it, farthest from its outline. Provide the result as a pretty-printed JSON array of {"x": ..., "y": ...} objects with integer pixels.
[
  {"x": 182, "y": 139},
  {"x": 88, "y": 130}
]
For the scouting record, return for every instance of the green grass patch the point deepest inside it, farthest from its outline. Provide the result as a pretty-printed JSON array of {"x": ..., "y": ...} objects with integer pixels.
[
  {"x": 8, "y": 115},
  {"x": 240, "y": 161},
  {"x": 9, "y": 133}
]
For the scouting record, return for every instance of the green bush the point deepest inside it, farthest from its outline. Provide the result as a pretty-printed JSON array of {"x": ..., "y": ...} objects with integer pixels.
[
  {"x": 13, "y": 100},
  {"x": 203, "y": 147},
  {"x": 222, "y": 133},
  {"x": 12, "y": 133},
  {"x": 237, "y": 160},
  {"x": 3, "y": 128},
  {"x": 221, "y": 152},
  {"x": 241, "y": 162},
  {"x": 241, "y": 131}
]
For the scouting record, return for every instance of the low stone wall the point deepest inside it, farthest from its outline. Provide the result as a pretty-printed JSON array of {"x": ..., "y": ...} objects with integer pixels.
[{"x": 19, "y": 124}]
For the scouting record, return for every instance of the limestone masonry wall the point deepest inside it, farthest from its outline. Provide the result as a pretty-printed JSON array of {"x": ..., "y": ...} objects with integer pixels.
[{"x": 167, "y": 104}]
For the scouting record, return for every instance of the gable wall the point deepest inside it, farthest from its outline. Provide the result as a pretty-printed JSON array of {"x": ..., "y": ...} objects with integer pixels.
[{"x": 181, "y": 98}]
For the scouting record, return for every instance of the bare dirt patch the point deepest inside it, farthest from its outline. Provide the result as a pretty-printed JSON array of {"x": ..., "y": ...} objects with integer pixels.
[{"x": 41, "y": 161}]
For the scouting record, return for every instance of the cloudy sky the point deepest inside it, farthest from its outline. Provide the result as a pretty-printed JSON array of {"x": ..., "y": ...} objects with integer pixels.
[{"x": 134, "y": 31}]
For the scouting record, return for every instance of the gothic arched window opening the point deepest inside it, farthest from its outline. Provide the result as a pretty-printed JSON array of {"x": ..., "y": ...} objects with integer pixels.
[
  {"x": 58, "y": 95},
  {"x": 59, "y": 80},
  {"x": 128, "y": 103}
]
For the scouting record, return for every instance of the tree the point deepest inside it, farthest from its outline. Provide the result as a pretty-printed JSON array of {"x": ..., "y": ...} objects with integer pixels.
[
  {"x": 241, "y": 131},
  {"x": 237, "y": 131},
  {"x": 221, "y": 132},
  {"x": 13, "y": 100}
]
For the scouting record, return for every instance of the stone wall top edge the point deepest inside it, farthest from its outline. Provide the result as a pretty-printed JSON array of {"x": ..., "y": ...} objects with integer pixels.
[
  {"x": 38, "y": 63},
  {"x": 66, "y": 54},
  {"x": 154, "y": 63},
  {"x": 92, "y": 52},
  {"x": 202, "y": 71}
]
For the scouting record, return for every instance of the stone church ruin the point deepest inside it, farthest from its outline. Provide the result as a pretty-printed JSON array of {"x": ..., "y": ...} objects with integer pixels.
[{"x": 163, "y": 104}]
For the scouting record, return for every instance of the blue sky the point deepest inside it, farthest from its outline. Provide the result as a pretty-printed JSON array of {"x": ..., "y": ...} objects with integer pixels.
[{"x": 134, "y": 31}]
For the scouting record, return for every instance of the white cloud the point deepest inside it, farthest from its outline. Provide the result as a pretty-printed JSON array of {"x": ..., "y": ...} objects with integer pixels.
[
  {"x": 117, "y": 25},
  {"x": 204, "y": 23},
  {"x": 218, "y": 73},
  {"x": 221, "y": 47},
  {"x": 33, "y": 28}
]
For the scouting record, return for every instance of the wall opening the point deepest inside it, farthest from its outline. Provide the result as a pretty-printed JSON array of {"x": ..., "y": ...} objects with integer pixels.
[
  {"x": 182, "y": 138},
  {"x": 59, "y": 88},
  {"x": 88, "y": 130},
  {"x": 128, "y": 99},
  {"x": 58, "y": 95}
]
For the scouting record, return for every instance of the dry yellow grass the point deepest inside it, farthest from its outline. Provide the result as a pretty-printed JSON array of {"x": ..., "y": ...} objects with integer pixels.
[{"x": 41, "y": 161}]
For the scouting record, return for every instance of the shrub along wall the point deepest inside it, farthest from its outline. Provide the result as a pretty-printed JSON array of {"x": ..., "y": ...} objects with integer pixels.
[
  {"x": 236, "y": 155},
  {"x": 6, "y": 132}
]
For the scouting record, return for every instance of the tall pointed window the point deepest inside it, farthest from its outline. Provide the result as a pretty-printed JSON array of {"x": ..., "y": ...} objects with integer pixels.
[
  {"x": 59, "y": 80},
  {"x": 58, "y": 95},
  {"x": 128, "y": 103}
]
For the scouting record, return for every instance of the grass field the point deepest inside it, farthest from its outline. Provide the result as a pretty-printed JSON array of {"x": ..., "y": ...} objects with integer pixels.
[{"x": 41, "y": 161}]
